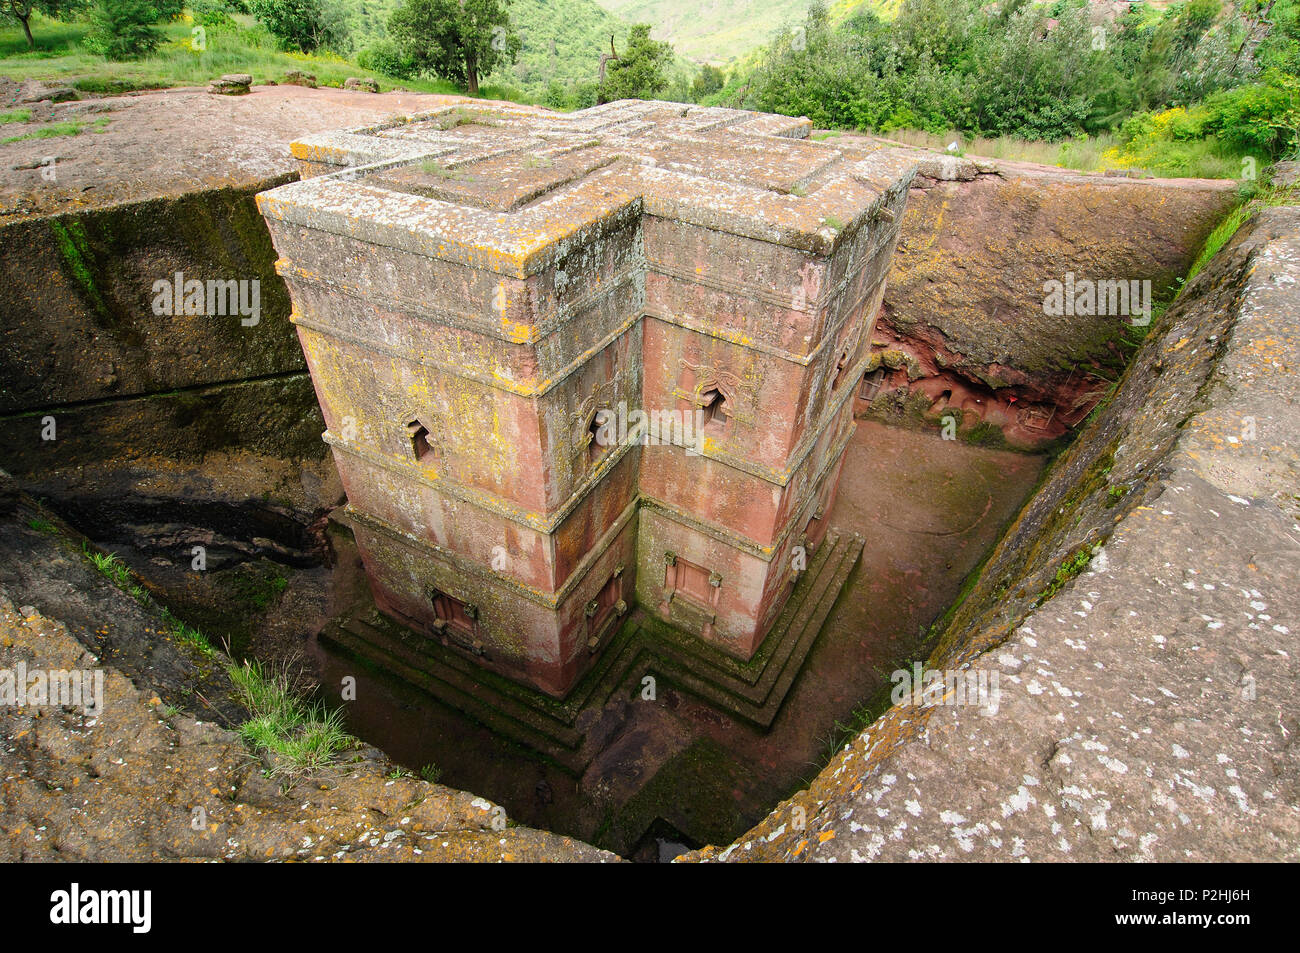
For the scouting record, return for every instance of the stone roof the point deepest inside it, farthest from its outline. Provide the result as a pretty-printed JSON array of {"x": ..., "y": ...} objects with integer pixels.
[{"x": 509, "y": 188}]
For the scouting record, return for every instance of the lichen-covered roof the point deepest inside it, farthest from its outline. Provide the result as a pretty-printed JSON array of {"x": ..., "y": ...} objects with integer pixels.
[{"x": 509, "y": 188}]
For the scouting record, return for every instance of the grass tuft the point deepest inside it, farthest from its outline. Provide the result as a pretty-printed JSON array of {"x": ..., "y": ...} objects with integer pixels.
[
  {"x": 52, "y": 131},
  {"x": 1235, "y": 219},
  {"x": 1074, "y": 564},
  {"x": 301, "y": 736}
]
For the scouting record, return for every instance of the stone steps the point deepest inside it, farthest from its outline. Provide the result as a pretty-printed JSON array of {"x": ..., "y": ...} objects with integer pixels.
[
  {"x": 757, "y": 695},
  {"x": 458, "y": 682},
  {"x": 752, "y": 691}
]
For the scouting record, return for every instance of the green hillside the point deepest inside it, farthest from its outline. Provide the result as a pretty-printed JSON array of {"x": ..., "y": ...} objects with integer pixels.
[
  {"x": 562, "y": 39},
  {"x": 722, "y": 31},
  {"x": 711, "y": 31}
]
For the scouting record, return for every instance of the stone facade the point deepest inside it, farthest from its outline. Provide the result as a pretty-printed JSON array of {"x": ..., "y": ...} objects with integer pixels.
[{"x": 474, "y": 285}]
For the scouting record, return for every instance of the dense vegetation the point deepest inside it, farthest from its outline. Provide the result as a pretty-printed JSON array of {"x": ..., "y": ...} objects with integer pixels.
[
  {"x": 1198, "y": 87},
  {"x": 1203, "y": 78},
  {"x": 561, "y": 42}
]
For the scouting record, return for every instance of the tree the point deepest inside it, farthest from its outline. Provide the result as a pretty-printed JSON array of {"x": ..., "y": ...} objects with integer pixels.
[
  {"x": 123, "y": 29},
  {"x": 708, "y": 82},
  {"x": 22, "y": 10},
  {"x": 640, "y": 71},
  {"x": 459, "y": 40},
  {"x": 298, "y": 24}
]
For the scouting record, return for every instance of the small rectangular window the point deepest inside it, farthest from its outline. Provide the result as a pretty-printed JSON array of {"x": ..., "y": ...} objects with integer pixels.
[
  {"x": 691, "y": 581},
  {"x": 453, "y": 612}
]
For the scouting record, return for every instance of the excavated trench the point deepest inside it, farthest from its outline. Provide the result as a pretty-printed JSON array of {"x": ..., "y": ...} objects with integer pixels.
[
  {"x": 656, "y": 775},
  {"x": 645, "y": 774}
]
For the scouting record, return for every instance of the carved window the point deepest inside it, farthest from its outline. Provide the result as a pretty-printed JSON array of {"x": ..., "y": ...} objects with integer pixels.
[
  {"x": 601, "y": 610},
  {"x": 595, "y": 449},
  {"x": 418, "y": 434},
  {"x": 840, "y": 366},
  {"x": 716, "y": 411},
  {"x": 871, "y": 384},
  {"x": 813, "y": 532},
  {"x": 456, "y": 616},
  {"x": 694, "y": 582}
]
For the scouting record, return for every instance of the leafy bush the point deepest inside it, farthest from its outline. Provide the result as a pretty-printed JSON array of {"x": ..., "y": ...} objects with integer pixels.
[
  {"x": 297, "y": 24},
  {"x": 1173, "y": 142},
  {"x": 212, "y": 13},
  {"x": 125, "y": 29},
  {"x": 1047, "y": 72},
  {"x": 640, "y": 71},
  {"x": 384, "y": 57},
  {"x": 1261, "y": 119},
  {"x": 709, "y": 81}
]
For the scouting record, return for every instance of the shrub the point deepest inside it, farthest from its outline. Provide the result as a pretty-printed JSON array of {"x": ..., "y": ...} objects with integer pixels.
[
  {"x": 212, "y": 13},
  {"x": 1262, "y": 118},
  {"x": 125, "y": 29},
  {"x": 384, "y": 57},
  {"x": 297, "y": 24}
]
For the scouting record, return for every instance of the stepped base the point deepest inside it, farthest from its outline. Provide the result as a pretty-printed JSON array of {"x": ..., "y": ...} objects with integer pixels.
[{"x": 571, "y": 731}]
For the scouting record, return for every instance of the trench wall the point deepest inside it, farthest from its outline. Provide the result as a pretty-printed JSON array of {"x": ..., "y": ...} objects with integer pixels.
[
  {"x": 80, "y": 340},
  {"x": 1140, "y": 618},
  {"x": 963, "y": 329}
]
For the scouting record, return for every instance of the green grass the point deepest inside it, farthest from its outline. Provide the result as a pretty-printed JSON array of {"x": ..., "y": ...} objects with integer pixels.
[
  {"x": 261, "y": 586},
  {"x": 1073, "y": 564},
  {"x": 433, "y": 167},
  {"x": 70, "y": 127},
  {"x": 18, "y": 115},
  {"x": 862, "y": 717},
  {"x": 1235, "y": 219},
  {"x": 187, "y": 634},
  {"x": 1081, "y": 155},
  {"x": 60, "y": 59},
  {"x": 301, "y": 736},
  {"x": 109, "y": 566},
  {"x": 42, "y": 525},
  {"x": 1199, "y": 159}
]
